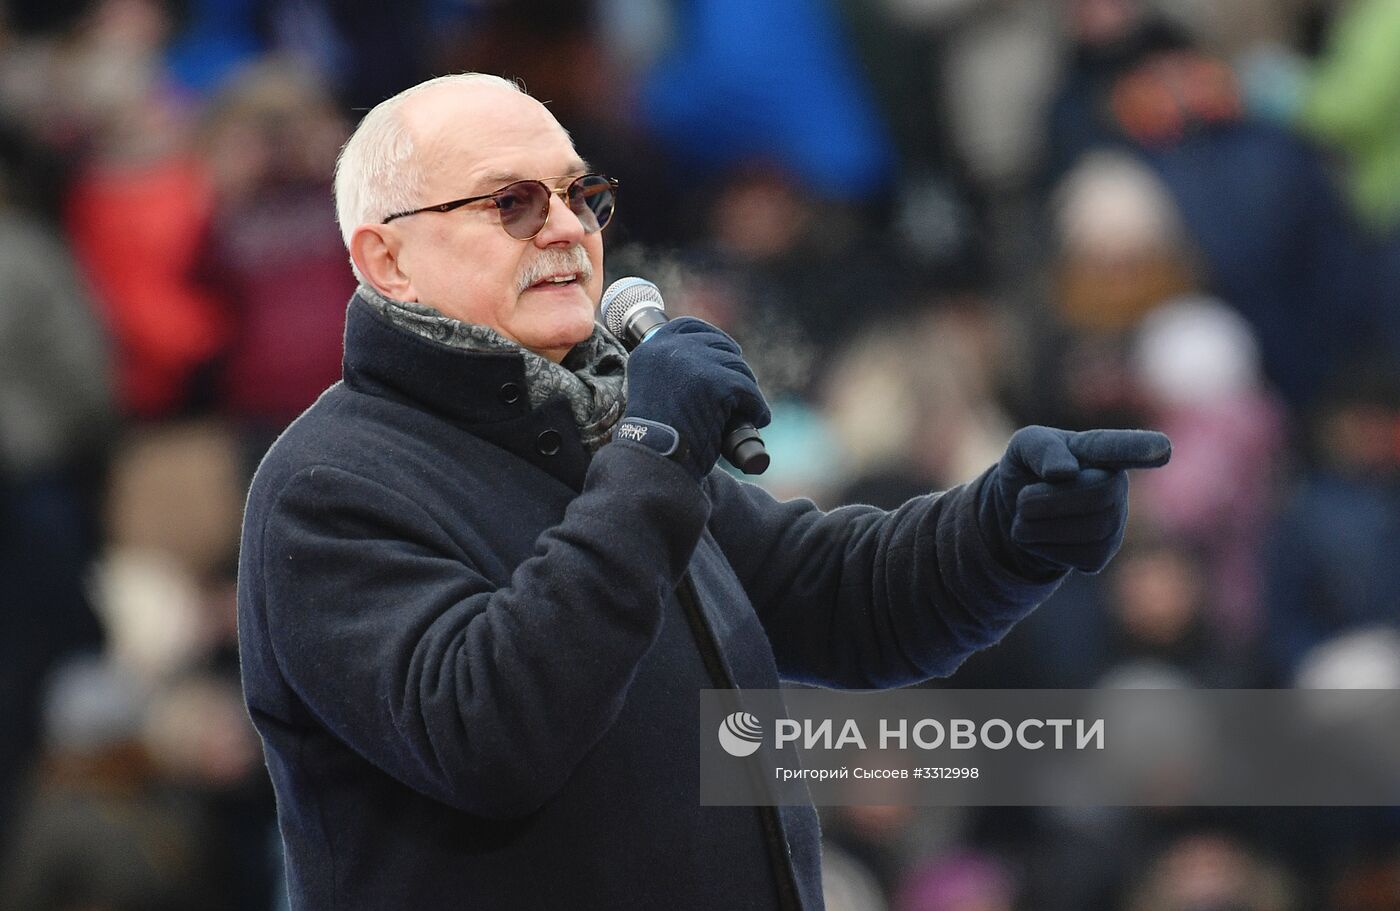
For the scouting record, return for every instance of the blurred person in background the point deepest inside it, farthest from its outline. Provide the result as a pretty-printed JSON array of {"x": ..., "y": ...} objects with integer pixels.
[
  {"x": 270, "y": 143},
  {"x": 136, "y": 213},
  {"x": 426, "y": 606},
  {"x": 1196, "y": 366},
  {"x": 1119, "y": 251},
  {"x": 1273, "y": 239},
  {"x": 56, "y": 420},
  {"x": 1122, "y": 247},
  {"x": 1109, "y": 38},
  {"x": 1330, "y": 558}
]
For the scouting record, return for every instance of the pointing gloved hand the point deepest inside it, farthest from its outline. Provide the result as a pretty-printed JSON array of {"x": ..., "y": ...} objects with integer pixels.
[
  {"x": 1058, "y": 500},
  {"x": 690, "y": 378}
]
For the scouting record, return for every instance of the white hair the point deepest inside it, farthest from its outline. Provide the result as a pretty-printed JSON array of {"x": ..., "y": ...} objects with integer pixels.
[{"x": 377, "y": 173}]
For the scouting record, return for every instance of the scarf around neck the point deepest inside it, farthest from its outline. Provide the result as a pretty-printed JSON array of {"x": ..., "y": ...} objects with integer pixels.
[{"x": 591, "y": 375}]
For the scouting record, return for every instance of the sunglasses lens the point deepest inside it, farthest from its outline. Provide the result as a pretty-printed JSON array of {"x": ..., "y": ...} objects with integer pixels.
[
  {"x": 524, "y": 207},
  {"x": 592, "y": 199}
]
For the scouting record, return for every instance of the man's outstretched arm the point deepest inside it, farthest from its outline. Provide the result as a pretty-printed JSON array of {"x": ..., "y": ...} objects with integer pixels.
[{"x": 861, "y": 598}]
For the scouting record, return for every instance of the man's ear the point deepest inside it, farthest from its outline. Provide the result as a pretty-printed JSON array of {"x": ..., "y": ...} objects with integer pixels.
[{"x": 375, "y": 250}]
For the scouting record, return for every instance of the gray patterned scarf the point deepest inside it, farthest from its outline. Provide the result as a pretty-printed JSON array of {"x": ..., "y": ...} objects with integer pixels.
[{"x": 590, "y": 377}]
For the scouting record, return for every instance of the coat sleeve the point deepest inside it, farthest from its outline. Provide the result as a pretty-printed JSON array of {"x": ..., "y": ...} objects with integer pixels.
[
  {"x": 863, "y": 598},
  {"x": 479, "y": 696}
]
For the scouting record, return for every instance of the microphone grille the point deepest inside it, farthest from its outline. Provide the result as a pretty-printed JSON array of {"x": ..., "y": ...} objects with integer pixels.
[{"x": 623, "y": 296}]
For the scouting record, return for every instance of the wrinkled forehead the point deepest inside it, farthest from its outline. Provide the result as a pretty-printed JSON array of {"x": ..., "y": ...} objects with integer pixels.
[{"x": 467, "y": 138}]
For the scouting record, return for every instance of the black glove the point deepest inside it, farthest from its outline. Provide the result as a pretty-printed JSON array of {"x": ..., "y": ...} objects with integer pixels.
[
  {"x": 689, "y": 379},
  {"x": 1058, "y": 500}
]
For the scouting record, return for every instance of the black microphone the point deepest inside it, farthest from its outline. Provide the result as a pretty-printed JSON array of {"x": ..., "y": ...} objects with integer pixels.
[{"x": 632, "y": 311}]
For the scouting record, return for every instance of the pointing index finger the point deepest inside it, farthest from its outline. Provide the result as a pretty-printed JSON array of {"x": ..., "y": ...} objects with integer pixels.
[{"x": 1113, "y": 450}]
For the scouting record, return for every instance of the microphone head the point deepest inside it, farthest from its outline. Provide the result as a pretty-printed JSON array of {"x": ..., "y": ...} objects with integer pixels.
[{"x": 623, "y": 297}]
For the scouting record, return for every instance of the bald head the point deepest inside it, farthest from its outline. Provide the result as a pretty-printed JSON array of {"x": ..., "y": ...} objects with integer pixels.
[
  {"x": 387, "y": 165},
  {"x": 445, "y": 109}
]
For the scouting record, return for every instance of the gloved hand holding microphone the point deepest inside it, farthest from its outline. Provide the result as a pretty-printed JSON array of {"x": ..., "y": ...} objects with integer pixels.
[{"x": 689, "y": 393}]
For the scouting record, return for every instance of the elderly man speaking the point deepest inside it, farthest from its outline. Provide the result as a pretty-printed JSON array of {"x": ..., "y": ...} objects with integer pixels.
[{"x": 474, "y": 619}]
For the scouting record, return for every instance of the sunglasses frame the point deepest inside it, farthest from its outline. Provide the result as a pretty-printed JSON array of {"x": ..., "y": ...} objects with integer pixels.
[{"x": 561, "y": 192}]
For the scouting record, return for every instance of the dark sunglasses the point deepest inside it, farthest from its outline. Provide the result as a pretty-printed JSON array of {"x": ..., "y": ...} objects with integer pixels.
[{"x": 524, "y": 205}]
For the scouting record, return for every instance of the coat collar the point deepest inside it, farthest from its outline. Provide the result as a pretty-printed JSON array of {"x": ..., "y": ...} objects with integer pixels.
[{"x": 483, "y": 392}]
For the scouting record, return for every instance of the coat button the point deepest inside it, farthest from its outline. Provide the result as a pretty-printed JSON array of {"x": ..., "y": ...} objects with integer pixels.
[
  {"x": 510, "y": 393},
  {"x": 548, "y": 442}
]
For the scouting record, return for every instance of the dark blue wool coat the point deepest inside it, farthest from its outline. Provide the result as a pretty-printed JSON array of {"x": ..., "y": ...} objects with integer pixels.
[{"x": 473, "y": 653}]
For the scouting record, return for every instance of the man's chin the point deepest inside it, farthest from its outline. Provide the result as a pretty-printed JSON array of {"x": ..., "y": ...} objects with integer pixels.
[{"x": 557, "y": 341}]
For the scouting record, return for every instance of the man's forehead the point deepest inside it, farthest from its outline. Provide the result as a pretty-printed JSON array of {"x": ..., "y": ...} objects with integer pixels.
[{"x": 468, "y": 123}]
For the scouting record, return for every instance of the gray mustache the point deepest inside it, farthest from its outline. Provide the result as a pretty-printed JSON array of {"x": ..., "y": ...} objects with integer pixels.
[{"x": 551, "y": 262}]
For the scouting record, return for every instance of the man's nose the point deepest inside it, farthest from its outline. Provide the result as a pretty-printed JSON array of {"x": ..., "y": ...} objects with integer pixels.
[{"x": 562, "y": 227}]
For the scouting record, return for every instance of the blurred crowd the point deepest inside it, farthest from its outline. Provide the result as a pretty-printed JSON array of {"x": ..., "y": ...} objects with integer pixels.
[{"x": 928, "y": 222}]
